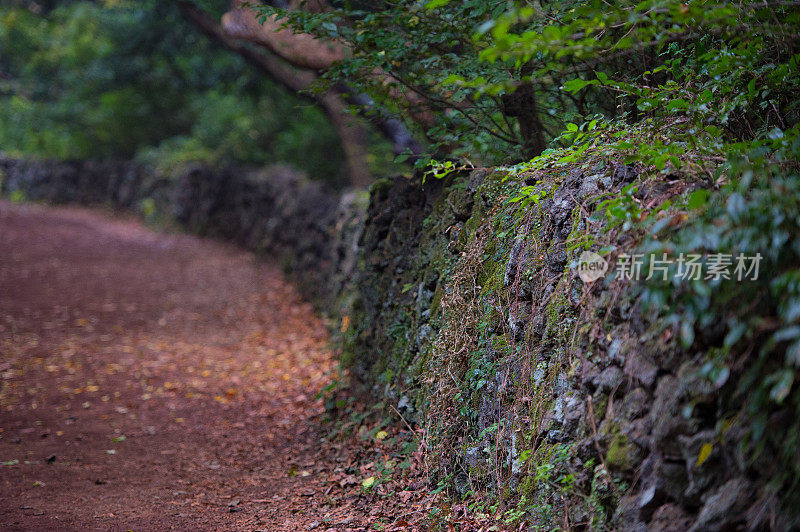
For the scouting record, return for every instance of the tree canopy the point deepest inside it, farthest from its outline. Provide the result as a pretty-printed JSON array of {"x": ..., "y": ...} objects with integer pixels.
[
  {"x": 497, "y": 80},
  {"x": 483, "y": 82}
]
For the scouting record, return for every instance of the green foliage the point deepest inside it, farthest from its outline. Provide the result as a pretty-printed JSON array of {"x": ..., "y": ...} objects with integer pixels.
[
  {"x": 703, "y": 74},
  {"x": 17, "y": 196},
  {"x": 697, "y": 96},
  {"x": 419, "y": 47},
  {"x": 731, "y": 320},
  {"x": 133, "y": 79}
]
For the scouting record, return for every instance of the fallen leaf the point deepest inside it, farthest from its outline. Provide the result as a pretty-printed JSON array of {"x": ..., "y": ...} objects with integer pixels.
[{"x": 705, "y": 452}]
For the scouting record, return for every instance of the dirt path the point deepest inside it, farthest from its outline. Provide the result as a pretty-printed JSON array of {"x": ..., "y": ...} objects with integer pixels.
[{"x": 154, "y": 382}]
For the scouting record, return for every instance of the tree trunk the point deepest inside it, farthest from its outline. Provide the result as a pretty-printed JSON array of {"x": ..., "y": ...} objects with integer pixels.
[
  {"x": 352, "y": 135},
  {"x": 307, "y": 52},
  {"x": 522, "y": 104},
  {"x": 287, "y": 61}
]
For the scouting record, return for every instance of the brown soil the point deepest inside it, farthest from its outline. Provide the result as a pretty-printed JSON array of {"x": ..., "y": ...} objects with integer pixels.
[{"x": 157, "y": 382}]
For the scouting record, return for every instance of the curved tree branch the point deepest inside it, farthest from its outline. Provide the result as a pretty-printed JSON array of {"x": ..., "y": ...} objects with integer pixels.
[
  {"x": 352, "y": 135},
  {"x": 289, "y": 78},
  {"x": 298, "y": 49},
  {"x": 306, "y": 51},
  {"x": 289, "y": 66}
]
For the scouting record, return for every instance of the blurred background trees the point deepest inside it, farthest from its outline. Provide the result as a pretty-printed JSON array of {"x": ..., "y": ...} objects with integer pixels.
[{"x": 124, "y": 79}]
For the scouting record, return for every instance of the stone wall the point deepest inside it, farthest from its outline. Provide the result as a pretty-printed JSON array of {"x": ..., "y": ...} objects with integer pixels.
[
  {"x": 458, "y": 304},
  {"x": 274, "y": 211},
  {"x": 569, "y": 399}
]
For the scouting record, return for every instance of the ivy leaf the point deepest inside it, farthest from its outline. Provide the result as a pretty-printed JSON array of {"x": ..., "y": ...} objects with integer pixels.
[
  {"x": 333, "y": 30},
  {"x": 719, "y": 376},
  {"x": 433, "y": 4},
  {"x": 575, "y": 85},
  {"x": 793, "y": 354},
  {"x": 787, "y": 333},
  {"x": 687, "y": 334},
  {"x": 783, "y": 385},
  {"x": 735, "y": 334},
  {"x": 735, "y": 206},
  {"x": 677, "y": 104},
  {"x": 698, "y": 198}
]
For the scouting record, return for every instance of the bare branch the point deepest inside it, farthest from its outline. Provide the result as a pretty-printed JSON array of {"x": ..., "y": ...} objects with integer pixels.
[{"x": 298, "y": 49}]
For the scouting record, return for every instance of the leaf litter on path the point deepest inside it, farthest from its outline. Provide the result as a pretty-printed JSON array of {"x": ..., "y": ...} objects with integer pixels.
[{"x": 197, "y": 361}]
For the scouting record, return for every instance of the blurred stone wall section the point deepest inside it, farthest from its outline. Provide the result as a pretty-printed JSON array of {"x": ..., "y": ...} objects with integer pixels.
[{"x": 309, "y": 230}]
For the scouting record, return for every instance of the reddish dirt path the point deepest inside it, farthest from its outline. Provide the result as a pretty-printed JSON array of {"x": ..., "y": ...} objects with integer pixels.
[{"x": 154, "y": 382}]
